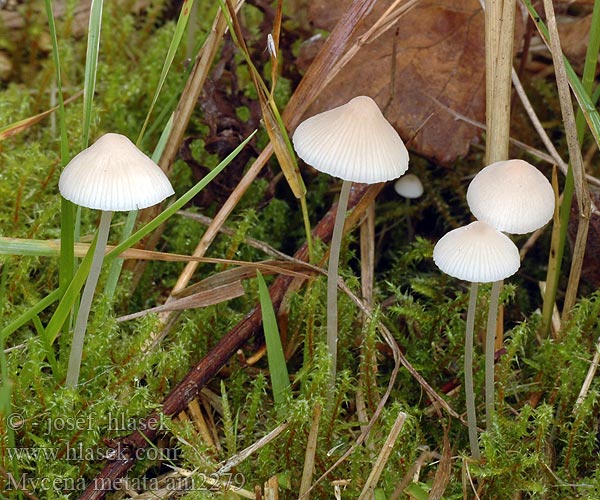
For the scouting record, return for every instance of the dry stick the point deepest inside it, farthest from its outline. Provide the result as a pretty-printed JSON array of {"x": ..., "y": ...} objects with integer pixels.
[
  {"x": 581, "y": 187},
  {"x": 500, "y": 25},
  {"x": 309, "y": 455},
  {"x": 369, "y": 488},
  {"x": 588, "y": 379}
]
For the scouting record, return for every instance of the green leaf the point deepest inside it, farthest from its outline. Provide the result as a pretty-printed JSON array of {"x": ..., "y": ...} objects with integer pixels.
[
  {"x": 280, "y": 380},
  {"x": 178, "y": 205},
  {"x": 91, "y": 67},
  {"x": 184, "y": 15}
]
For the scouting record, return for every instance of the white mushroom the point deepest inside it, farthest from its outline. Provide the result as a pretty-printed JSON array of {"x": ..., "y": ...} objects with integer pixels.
[
  {"x": 111, "y": 175},
  {"x": 513, "y": 196},
  {"x": 357, "y": 144},
  {"x": 409, "y": 186},
  {"x": 480, "y": 254}
]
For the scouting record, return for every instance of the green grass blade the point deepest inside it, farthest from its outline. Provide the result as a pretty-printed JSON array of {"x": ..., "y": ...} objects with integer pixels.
[
  {"x": 25, "y": 247},
  {"x": 184, "y": 15},
  {"x": 591, "y": 63},
  {"x": 280, "y": 380},
  {"x": 586, "y": 104},
  {"x": 177, "y": 205},
  {"x": 70, "y": 297},
  {"x": 67, "y": 209},
  {"x": 91, "y": 67},
  {"x": 64, "y": 143},
  {"x": 28, "y": 315}
]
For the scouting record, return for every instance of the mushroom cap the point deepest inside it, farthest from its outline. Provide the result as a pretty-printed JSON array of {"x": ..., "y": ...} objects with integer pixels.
[
  {"x": 409, "y": 186},
  {"x": 353, "y": 142},
  {"x": 513, "y": 196},
  {"x": 113, "y": 174},
  {"x": 477, "y": 253}
]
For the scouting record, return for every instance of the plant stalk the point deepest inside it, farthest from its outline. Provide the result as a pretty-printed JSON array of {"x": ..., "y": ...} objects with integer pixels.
[
  {"x": 468, "y": 369},
  {"x": 490, "y": 351},
  {"x": 86, "y": 301},
  {"x": 332, "y": 277}
]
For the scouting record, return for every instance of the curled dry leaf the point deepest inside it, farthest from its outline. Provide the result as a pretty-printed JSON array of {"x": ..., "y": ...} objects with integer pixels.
[{"x": 433, "y": 55}]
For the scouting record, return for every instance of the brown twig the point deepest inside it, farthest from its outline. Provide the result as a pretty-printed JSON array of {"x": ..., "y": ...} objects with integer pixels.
[{"x": 133, "y": 445}]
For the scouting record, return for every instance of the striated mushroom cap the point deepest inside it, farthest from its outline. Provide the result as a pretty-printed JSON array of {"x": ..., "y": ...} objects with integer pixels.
[
  {"x": 513, "y": 196},
  {"x": 113, "y": 174},
  {"x": 477, "y": 253},
  {"x": 353, "y": 142}
]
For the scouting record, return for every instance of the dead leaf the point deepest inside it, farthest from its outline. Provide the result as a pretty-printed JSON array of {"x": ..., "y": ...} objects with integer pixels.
[
  {"x": 438, "y": 48},
  {"x": 574, "y": 35},
  {"x": 201, "y": 299}
]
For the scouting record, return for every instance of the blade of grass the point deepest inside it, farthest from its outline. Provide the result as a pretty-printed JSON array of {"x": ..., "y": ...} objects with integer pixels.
[
  {"x": 177, "y": 205},
  {"x": 274, "y": 126},
  {"x": 576, "y": 160},
  {"x": 278, "y": 372},
  {"x": 91, "y": 67},
  {"x": 186, "y": 9},
  {"x": 586, "y": 104},
  {"x": 70, "y": 297},
  {"x": 28, "y": 315}
]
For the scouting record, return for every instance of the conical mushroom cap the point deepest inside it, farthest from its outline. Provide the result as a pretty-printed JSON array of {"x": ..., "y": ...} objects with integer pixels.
[
  {"x": 477, "y": 253},
  {"x": 353, "y": 142},
  {"x": 113, "y": 174},
  {"x": 513, "y": 196}
]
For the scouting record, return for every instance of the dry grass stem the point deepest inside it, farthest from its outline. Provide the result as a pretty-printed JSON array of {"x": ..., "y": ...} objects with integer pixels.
[
  {"x": 309, "y": 456},
  {"x": 254, "y": 243},
  {"x": 384, "y": 454},
  {"x": 412, "y": 474},
  {"x": 537, "y": 124},
  {"x": 576, "y": 160},
  {"x": 238, "y": 458},
  {"x": 205, "y": 298},
  {"x": 588, "y": 379}
]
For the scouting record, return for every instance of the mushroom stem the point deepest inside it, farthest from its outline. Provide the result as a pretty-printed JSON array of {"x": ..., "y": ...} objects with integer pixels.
[
  {"x": 468, "y": 368},
  {"x": 490, "y": 344},
  {"x": 332, "y": 277},
  {"x": 86, "y": 300}
]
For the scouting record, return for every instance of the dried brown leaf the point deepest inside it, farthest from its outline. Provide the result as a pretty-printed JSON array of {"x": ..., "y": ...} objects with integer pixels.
[{"x": 435, "y": 52}]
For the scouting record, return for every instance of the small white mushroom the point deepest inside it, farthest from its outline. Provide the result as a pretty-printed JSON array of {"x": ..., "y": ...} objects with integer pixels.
[
  {"x": 357, "y": 144},
  {"x": 111, "y": 175},
  {"x": 409, "y": 186},
  {"x": 512, "y": 195},
  {"x": 477, "y": 253}
]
